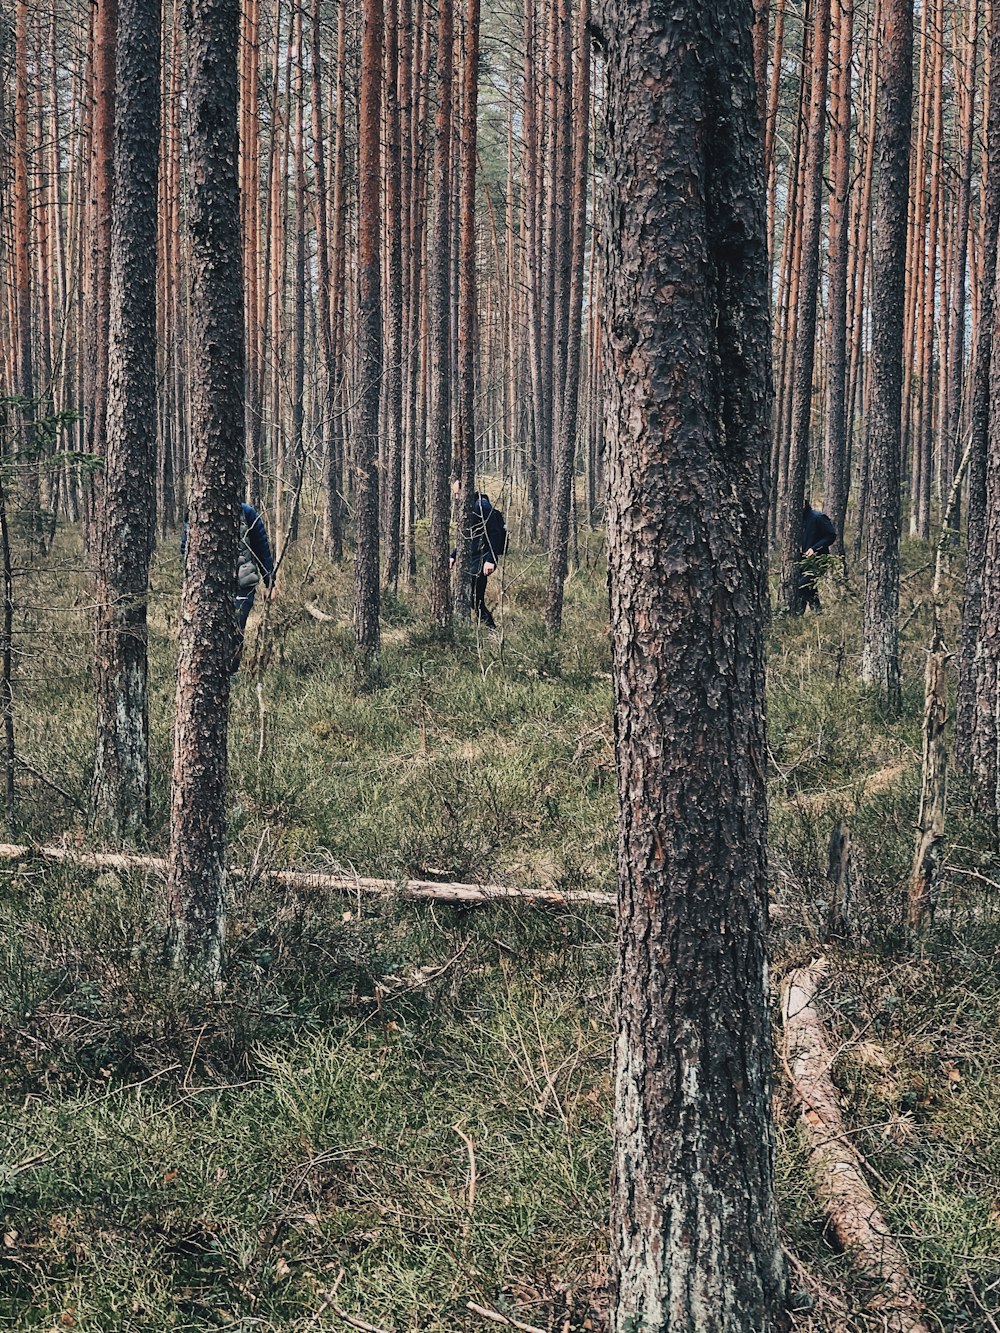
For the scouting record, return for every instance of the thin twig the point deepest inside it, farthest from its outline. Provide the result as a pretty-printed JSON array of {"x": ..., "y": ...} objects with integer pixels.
[
  {"x": 471, "y": 1149},
  {"x": 973, "y": 874},
  {"x": 989, "y": 1317},
  {"x": 499, "y": 1318},
  {"x": 354, "y": 1323},
  {"x": 47, "y": 781}
]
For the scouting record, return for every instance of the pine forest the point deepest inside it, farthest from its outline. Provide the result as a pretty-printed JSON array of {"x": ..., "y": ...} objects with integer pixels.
[{"x": 500, "y": 666}]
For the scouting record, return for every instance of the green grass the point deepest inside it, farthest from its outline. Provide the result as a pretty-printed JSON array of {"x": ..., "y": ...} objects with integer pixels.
[{"x": 171, "y": 1160}]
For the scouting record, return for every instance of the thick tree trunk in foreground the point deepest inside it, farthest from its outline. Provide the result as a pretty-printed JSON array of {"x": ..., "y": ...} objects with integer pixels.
[
  {"x": 880, "y": 655},
  {"x": 694, "y": 1232},
  {"x": 366, "y": 562},
  {"x": 120, "y": 794},
  {"x": 196, "y": 885}
]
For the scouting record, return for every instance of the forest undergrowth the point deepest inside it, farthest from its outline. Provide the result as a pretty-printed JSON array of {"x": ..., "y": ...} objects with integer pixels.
[{"x": 391, "y": 1110}]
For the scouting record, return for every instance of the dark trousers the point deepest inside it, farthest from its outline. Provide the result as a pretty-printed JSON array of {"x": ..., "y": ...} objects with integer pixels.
[
  {"x": 809, "y": 590},
  {"x": 242, "y": 606},
  {"x": 479, "y": 606}
]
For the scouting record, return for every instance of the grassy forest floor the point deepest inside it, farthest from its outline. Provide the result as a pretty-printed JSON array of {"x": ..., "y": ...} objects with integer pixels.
[{"x": 408, "y": 1106}]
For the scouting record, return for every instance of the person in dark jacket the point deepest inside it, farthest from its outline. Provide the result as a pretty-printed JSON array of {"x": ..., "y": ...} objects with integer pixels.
[
  {"x": 254, "y": 565},
  {"x": 818, "y": 535},
  {"x": 488, "y": 544}
]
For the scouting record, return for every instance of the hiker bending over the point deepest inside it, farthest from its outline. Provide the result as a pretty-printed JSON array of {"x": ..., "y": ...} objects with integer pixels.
[
  {"x": 488, "y": 542},
  {"x": 254, "y": 565},
  {"x": 818, "y": 535}
]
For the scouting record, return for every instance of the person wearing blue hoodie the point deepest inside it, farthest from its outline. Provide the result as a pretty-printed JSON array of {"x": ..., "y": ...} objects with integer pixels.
[{"x": 254, "y": 565}]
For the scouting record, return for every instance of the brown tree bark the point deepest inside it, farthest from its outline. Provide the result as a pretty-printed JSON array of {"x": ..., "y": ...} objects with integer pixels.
[
  {"x": 836, "y": 464},
  {"x": 196, "y": 884},
  {"x": 105, "y": 48},
  {"x": 975, "y": 729},
  {"x": 439, "y": 310},
  {"x": 366, "y": 554},
  {"x": 120, "y": 790},
  {"x": 565, "y": 450},
  {"x": 790, "y": 595},
  {"x": 694, "y": 1233},
  {"x": 394, "y": 303},
  {"x": 334, "y": 478},
  {"x": 880, "y": 653},
  {"x": 465, "y": 454}
]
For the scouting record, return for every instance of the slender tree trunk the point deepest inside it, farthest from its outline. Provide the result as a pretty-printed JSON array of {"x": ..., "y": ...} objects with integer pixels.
[
  {"x": 836, "y": 473},
  {"x": 394, "y": 304},
  {"x": 105, "y": 48},
  {"x": 120, "y": 792},
  {"x": 880, "y": 654},
  {"x": 23, "y": 294},
  {"x": 567, "y": 417},
  {"x": 439, "y": 302},
  {"x": 366, "y": 555},
  {"x": 983, "y": 576},
  {"x": 465, "y": 460},
  {"x": 694, "y": 1232},
  {"x": 974, "y": 725},
  {"x": 196, "y": 883},
  {"x": 790, "y": 596}
]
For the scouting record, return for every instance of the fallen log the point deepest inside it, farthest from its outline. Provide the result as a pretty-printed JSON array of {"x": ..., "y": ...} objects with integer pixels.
[
  {"x": 836, "y": 1166},
  {"x": 309, "y": 881}
]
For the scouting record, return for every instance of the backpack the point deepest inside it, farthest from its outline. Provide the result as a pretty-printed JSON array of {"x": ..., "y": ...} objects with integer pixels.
[{"x": 247, "y": 568}]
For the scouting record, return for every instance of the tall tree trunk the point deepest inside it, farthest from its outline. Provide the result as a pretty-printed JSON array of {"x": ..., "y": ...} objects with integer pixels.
[
  {"x": 974, "y": 726},
  {"x": 439, "y": 302},
  {"x": 196, "y": 883},
  {"x": 694, "y": 1231},
  {"x": 366, "y": 555},
  {"x": 567, "y": 417},
  {"x": 880, "y": 654},
  {"x": 790, "y": 596},
  {"x": 105, "y": 48},
  {"x": 394, "y": 303},
  {"x": 983, "y": 573},
  {"x": 120, "y": 792},
  {"x": 23, "y": 294},
  {"x": 835, "y": 471},
  {"x": 465, "y": 460},
  {"x": 334, "y": 480}
]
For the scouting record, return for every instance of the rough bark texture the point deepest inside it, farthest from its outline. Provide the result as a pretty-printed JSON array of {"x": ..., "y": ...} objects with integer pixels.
[
  {"x": 975, "y": 729},
  {"x": 465, "y": 454},
  {"x": 804, "y": 353},
  {"x": 694, "y": 1235},
  {"x": 120, "y": 793},
  {"x": 196, "y": 885},
  {"x": 105, "y": 48},
  {"x": 366, "y": 562},
  {"x": 439, "y": 318},
  {"x": 836, "y": 470},
  {"x": 565, "y": 450},
  {"x": 880, "y": 655},
  {"x": 926, "y": 870}
]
